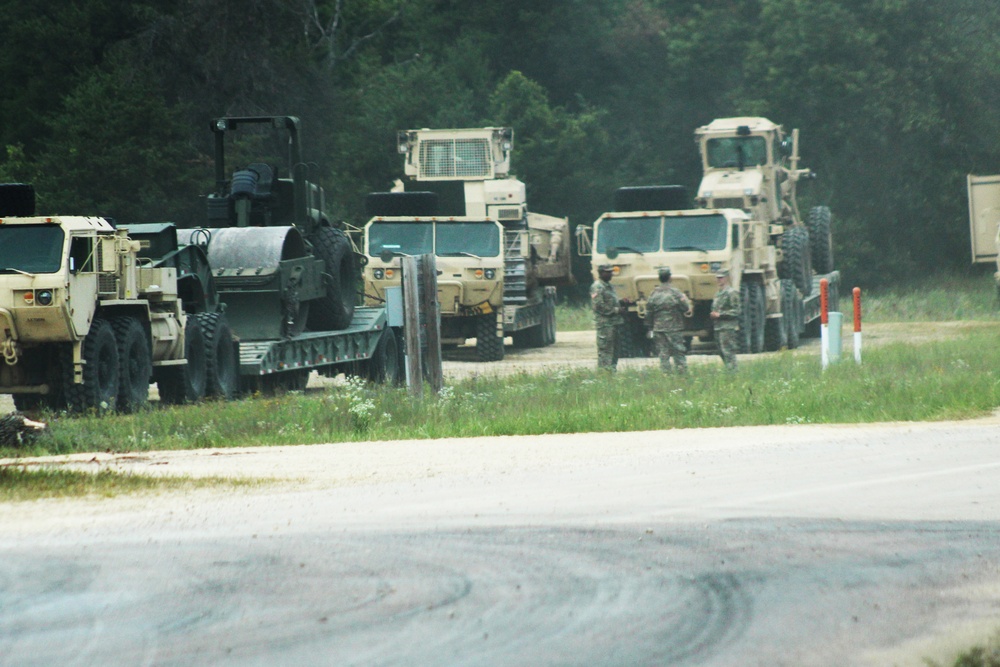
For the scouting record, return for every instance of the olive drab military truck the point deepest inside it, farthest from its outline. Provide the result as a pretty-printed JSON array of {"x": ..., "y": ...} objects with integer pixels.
[
  {"x": 984, "y": 222},
  {"x": 498, "y": 263},
  {"x": 745, "y": 220}
]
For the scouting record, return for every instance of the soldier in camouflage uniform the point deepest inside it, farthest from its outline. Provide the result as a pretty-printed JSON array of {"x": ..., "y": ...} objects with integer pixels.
[
  {"x": 607, "y": 317},
  {"x": 726, "y": 316},
  {"x": 666, "y": 309}
]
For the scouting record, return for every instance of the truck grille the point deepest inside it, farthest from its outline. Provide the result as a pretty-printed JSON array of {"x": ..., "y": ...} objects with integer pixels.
[
  {"x": 107, "y": 283},
  {"x": 455, "y": 158},
  {"x": 509, "y": 214}
]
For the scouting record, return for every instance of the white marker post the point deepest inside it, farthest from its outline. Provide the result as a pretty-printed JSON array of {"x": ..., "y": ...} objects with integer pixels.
[
  {"x": 857, "y": 325},
  {"x": 824, "y": 322}
]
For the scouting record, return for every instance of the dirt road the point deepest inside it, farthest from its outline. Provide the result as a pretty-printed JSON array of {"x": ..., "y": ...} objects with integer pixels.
[
  {"x": 797, "y": 545},
  {"x": 804, "y": 545}
]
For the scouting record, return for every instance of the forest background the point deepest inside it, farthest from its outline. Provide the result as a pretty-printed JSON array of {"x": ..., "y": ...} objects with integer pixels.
[{"x": 106, "y": 104}]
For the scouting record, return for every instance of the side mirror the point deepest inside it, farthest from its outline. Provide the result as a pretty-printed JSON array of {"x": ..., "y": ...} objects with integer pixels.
[
  {"x": 386, "y": 256},
  {"x": 612, "y": 253}
]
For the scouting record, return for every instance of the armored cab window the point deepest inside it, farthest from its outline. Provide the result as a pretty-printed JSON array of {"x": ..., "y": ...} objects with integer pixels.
[
  {"x": 738, "y": 152},
  {"x": 81, "y": 254},
  {"x": 629, "y": 235},
  {"x": 31, "y": 248},
  {"x": 403, "y": 238},
  {"x": 702, "y": 232},
  {"x": 475, "y": 238}
]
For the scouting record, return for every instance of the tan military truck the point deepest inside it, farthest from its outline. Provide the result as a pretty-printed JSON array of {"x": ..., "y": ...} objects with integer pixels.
[
  {"x": 750, "y": 163},
  {"x": 984, "y": 222},
  {"x": 498, "y": 263},
  {"x": 745, "y": 221},
  {"x": 84, "y": 324}
]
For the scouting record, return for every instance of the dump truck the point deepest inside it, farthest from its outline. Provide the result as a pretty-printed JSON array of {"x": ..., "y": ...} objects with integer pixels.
[
  {"x": 984, "y": 222},
  {"x": 745, "y": 219},
  {"x": 498, "y": 263},
  {"x": 91, "y": 312}
]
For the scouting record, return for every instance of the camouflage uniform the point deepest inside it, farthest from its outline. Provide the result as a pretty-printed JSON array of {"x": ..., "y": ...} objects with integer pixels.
[
  {"x": 607, "y": 319},
  {"x": 727, "y": 304},
  {"x": 665, "y": 312}
]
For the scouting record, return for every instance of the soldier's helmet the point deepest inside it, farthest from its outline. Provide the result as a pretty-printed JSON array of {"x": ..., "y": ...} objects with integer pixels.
[
  {"x": 724, "y": 273},
  {"x": 605, "y": 268},
  {"x": 664, "y": 275}
]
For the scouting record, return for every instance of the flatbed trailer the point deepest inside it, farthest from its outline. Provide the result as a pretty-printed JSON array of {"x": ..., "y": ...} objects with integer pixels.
[{"x": 372, "y": 345}]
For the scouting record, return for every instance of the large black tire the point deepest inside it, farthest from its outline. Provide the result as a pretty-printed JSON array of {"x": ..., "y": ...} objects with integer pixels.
[
  {"x": 776, "y": 333},
  {"x": 135, "y": 364},
  {"x": 796, "y": 263},
  {"x": 385, "y": 366},
  {"x": 222, "y": 364},
  {"x": 792, "y": 307},
  {"x": 335, "y": 310},
  {"x": 489, "y": 338},
  {"x": 821, "y": 238},
  {"x": 188, "y": 383},
  {"x": 99, "y": 390}
]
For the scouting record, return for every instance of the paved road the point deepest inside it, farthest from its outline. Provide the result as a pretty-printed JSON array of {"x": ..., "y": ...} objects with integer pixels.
[{"x": 869, "y": 545}]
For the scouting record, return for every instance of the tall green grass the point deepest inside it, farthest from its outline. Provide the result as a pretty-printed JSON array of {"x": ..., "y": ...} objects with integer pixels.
[{"x": 953, "y": 379}]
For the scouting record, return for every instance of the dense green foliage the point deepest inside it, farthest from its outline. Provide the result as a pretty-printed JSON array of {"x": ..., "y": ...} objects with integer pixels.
[{"x": 106, "y": 103}]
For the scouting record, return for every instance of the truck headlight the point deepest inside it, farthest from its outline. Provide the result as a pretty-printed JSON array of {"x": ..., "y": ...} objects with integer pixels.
[
  {"x": 378, "y": 274},
  {"x": 44, "y": 297},
  {"x": 490, "y": 274}
]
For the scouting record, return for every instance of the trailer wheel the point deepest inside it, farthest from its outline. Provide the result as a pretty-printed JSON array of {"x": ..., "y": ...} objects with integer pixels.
[
  {"x": 186, "y": 384},
  {"x": 221, "y": 359},
  {"x": 335, "y": 310},
  {"x": 821, "y": 239},
  {"x": 135, "y": 364},
  {"x": 99, "y": 390},
  {"x": 796, "y": 261},
  {"x": 489, "y": 338},
  {"x": 385, "y": 365},
  {"x": 791, "y": 306}
]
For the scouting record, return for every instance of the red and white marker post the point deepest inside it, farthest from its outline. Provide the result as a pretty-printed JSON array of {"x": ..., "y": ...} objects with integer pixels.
[
  {"x": 824, "y": 322},
  {"x": 857, "y": 325}
]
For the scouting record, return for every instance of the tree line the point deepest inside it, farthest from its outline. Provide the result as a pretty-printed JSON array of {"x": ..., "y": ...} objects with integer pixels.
[{"x": 106, "y": 103}]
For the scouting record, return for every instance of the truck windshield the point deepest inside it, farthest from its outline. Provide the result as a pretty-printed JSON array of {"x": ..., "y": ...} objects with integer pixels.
[
  {"x": 702, "y": 232},
  {"x": 31, "y": 248},
  {"x": 628, "y": 235},
  {"x": 736, "y": 152},
  {"x": 475, "y": 238},
  {"x": 405, "y": 238}
]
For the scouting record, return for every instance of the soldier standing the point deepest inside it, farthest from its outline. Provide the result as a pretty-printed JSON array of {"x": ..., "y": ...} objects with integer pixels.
[
  {"x": 726, "y": 316},
  {"x": 607, "y": 317},
  {"x": 666, "y": 309}
]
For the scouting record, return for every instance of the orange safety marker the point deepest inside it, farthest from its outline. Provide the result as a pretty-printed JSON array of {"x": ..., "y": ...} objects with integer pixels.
[
  {"x": 824, "y": 322},
  {"x": 857, "y": 325}
]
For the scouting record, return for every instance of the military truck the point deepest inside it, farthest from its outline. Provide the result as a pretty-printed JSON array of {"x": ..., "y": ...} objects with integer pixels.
[
  {"x": 745, "y": 219},
  {"x": 984, "y": 222},
  {"x": 91, "y": 312},
  {"x": 498, "y": 263}
]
